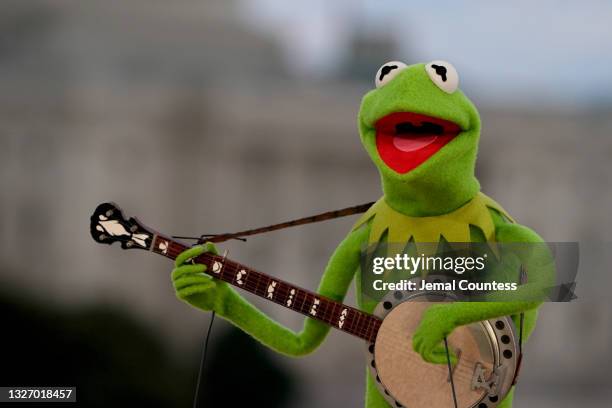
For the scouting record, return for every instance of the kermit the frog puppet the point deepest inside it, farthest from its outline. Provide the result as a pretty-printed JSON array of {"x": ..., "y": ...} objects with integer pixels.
[{"x": 422, "y": 134}]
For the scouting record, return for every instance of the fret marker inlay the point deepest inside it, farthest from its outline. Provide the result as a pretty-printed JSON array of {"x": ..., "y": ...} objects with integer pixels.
[
  {"x": 239, "y": 276},
  {"x": 216, "y": 268},
  {"x": 271, "y": 288},
  {"x": 163, "y": 247},
  {"x": 342, "y": 318},
  {"x": 290, "y": 299},
  {"x": 313, "y": 309}
]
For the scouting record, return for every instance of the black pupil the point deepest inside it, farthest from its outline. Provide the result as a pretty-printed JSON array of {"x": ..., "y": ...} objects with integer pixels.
[
  {"x": 385, "y": 70},
  {"x": 440, "y": 70}
]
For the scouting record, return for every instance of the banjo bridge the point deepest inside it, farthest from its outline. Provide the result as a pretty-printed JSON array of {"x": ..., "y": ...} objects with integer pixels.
[{"x": 490, "y": 383}]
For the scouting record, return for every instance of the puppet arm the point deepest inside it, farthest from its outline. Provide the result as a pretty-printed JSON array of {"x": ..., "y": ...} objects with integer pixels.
[
  {"x": 193, "y": 286},
  {"x": 440, "y": 320}
]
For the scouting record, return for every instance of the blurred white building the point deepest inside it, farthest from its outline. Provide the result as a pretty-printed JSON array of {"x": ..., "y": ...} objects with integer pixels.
[{"x": 191, "y": 122}]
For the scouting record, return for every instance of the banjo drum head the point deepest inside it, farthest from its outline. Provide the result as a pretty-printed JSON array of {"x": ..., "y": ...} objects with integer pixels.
[{"x": 486, "y": 350}]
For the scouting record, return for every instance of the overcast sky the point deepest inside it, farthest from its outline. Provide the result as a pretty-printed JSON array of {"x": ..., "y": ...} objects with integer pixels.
[{"x": 557, "y": 51}]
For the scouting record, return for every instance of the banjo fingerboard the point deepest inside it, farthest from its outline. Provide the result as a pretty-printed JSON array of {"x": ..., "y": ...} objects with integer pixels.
[{"x": 313, "y": 305}]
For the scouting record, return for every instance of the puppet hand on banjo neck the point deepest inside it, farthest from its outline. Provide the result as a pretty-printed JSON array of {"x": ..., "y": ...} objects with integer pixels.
[
  {"x": 195, "y": 287},
  {"x": 422, "y": 134}
]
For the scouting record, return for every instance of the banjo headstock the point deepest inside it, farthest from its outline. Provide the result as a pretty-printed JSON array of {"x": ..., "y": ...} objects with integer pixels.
[{"x": 108, "y": 225}]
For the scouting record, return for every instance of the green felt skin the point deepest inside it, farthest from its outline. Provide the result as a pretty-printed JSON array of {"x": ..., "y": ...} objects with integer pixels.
[{"x": 440, "y": 185}]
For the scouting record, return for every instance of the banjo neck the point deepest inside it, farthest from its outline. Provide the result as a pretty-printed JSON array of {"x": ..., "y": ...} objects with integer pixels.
[
  {"x": 108, "y": 225},
  {"x": 313, "y": 305}
]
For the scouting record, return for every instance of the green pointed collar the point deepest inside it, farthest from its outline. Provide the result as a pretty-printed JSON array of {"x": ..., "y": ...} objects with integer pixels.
[{"x": 454, "y": 226}]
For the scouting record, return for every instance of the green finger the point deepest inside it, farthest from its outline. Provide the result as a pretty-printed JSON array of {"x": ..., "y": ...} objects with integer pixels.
[
  {"x": 192, "y": 280},
  {"x": 193, "y": 290},
  {"x": 210, "y": 247},
  {"x": 438, "y": 356},
  {"x": 188, "y": 254},
  {"x": 188, "y": 269},
  {"x": 417, "y": 342},
  {"x": 437, "y": 360}
]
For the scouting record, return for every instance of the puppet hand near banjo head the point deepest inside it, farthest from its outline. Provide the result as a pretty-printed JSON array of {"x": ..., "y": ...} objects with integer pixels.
[{"x": 422, "y": 134}]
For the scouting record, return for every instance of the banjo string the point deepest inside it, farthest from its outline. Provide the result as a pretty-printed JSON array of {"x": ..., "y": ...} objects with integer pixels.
[
  {"x": 522, "y": 322},
  {"x": 450, "y": 372},
  {"x": 522, "y": 281},
  {"x": 196, "y": 398}
]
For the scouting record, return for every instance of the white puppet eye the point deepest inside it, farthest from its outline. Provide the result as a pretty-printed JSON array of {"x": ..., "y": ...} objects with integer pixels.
[
  {"x": 444, "y": 75},
  {"x": 388, "y": 71}
]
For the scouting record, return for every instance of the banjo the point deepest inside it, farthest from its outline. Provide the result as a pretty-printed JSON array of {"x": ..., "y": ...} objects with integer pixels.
[{"x": 488, "y": 352}]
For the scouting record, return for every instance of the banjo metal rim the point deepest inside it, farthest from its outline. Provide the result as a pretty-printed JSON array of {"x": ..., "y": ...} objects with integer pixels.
[{"x": 501, "y": 333}]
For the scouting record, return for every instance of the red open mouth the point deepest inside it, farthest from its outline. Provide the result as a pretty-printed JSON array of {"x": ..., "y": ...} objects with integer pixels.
[{"x": 405, "y": 140}]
